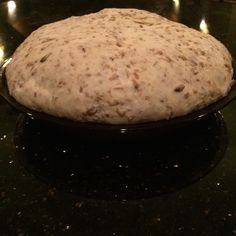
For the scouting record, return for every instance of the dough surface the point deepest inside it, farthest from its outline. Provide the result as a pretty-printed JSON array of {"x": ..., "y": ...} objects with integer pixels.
[{"x": 119, "y": 66}]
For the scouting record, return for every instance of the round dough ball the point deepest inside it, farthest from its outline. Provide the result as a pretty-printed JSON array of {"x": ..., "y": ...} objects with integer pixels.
[{"x": 119, "y": 66}]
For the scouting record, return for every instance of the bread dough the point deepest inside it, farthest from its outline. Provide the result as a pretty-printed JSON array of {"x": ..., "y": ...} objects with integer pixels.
[{"x": 119, "y": 66}]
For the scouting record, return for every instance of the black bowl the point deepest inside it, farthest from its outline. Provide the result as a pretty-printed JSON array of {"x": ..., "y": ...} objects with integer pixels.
[{"x": 74, "y": 126}]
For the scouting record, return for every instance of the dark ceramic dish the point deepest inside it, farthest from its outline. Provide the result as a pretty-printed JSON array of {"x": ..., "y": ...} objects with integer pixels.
[{"x": 66, "y": 123}]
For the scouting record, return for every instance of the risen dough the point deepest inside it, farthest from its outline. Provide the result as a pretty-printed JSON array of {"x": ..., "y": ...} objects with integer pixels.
[{"x": 119, "y": 66}]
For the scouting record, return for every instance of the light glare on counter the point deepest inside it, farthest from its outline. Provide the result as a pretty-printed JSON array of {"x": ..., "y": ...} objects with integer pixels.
[
  {"x": 176, "y": 4},
  {"x": 1, "y": 53},
  {"x": 11, "y": 5},
  {"x": 204, "y": 26}
]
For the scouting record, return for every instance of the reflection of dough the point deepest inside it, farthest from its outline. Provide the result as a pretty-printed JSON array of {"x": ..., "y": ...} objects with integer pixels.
[{"x": 119, "y": 66}]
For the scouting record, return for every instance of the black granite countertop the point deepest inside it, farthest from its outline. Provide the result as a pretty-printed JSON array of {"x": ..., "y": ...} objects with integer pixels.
[{"x": 178, "y": 183}]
